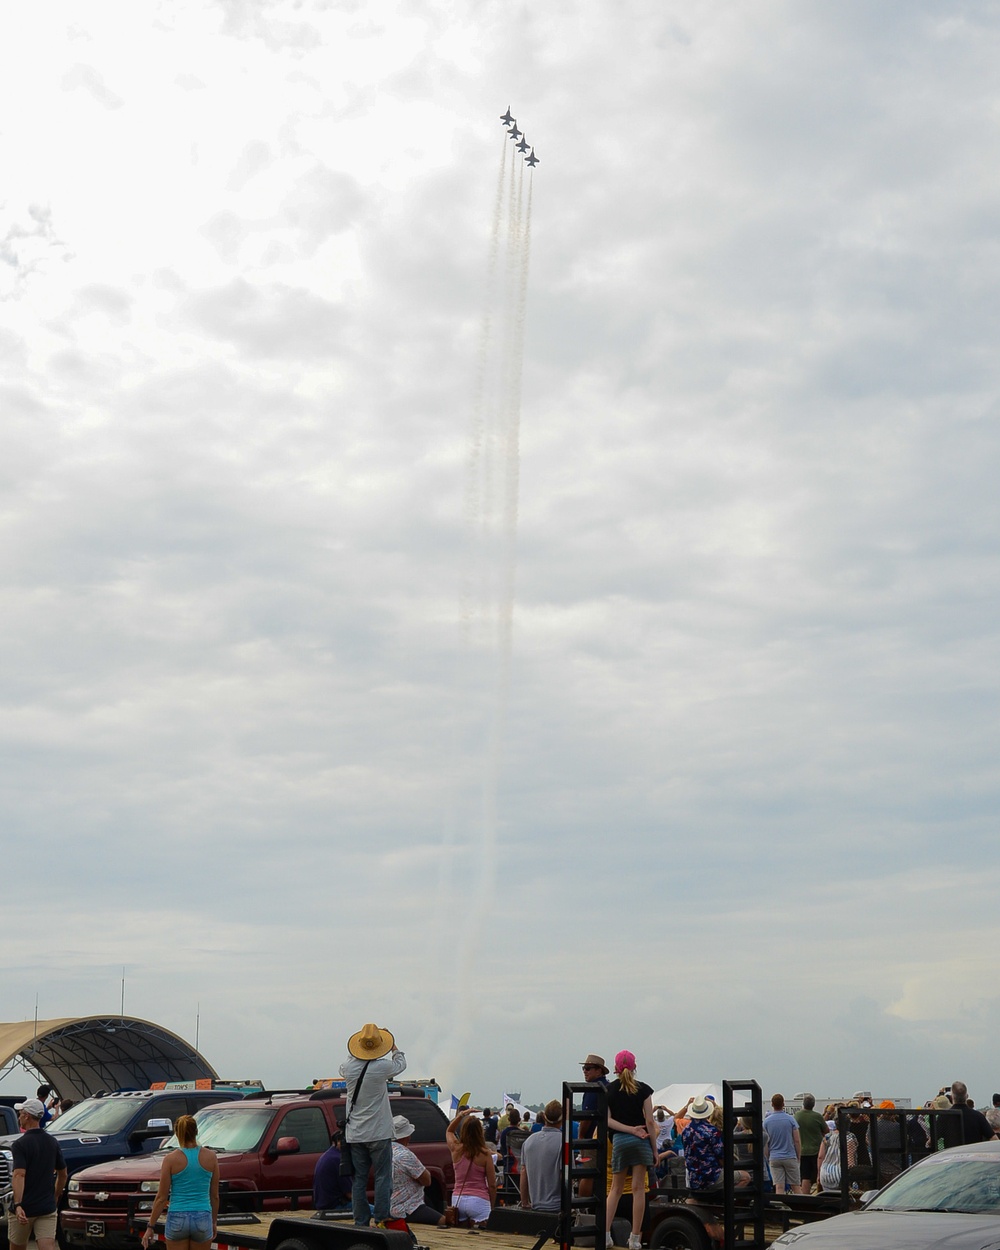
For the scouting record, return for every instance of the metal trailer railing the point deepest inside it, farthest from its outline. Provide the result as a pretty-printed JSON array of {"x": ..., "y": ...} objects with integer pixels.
[
  {"x": 886, "y": 1154},
  {"x": 572, "y": 1232},
  {"x": 748, "y": 1212}
]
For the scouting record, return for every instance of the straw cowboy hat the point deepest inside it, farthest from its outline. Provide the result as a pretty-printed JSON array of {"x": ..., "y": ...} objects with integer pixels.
[{"x": 371, "y": 1042}]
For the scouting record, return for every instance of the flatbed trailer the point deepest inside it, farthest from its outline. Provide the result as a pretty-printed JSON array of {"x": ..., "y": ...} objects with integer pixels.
[
  {"x": 287, "y": 1230},
  {"x": 292, "y": 1230}
]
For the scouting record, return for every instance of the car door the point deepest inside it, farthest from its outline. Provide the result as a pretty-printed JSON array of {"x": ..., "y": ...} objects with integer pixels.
[{"x": 309, "y": 1127}]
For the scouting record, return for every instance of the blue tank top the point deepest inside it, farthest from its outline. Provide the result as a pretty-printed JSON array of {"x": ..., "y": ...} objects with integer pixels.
[{"x": 189, "y": 1188}]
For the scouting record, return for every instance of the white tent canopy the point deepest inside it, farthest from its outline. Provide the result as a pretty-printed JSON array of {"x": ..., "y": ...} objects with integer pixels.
[{"x": 675, "y": 1096}]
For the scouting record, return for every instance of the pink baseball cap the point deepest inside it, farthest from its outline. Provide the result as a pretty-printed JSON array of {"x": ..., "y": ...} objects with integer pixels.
[{"x": 624, "y": 1060}]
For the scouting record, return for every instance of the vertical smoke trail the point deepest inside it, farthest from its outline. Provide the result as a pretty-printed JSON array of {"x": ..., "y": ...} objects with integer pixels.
[
  {"x": 473, "y": 492},
  {"x": 490, "y": 514},
  {"x": 441, "y": 1035},
  {"x": 517, "y": 274}
]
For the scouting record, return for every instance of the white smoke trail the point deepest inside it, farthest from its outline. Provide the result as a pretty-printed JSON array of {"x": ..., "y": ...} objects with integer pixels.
[
  {"x": 517, "y": 274},
  {"x": 473, "y": 494},
  {"x": 490, "y": 514},
  {"x": 441, "y": 1034}
]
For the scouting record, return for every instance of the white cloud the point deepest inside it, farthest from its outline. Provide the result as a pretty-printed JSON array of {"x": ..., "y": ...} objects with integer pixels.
[{"x": 747, "y": 792}]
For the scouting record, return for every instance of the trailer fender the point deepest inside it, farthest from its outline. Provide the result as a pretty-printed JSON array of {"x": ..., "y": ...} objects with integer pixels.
[{"x": 316, "y": 1235}]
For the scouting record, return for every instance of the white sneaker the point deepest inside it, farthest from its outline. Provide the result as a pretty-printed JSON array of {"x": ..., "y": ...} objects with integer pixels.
[
  {"x": 634, "y": 1242},
  {"x": 609, "y": 1242}
]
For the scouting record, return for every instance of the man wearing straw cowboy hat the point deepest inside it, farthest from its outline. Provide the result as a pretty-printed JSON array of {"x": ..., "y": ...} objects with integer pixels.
[{"x": 368, "y": 1134}]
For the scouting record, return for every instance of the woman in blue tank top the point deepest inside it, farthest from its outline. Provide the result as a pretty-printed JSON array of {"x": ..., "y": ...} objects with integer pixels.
[{"x": 189, "y": 1186}]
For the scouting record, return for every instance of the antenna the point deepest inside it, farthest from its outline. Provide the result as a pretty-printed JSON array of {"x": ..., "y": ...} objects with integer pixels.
[
  {"x": 123, "y": 994},
  {"x": 197, "y": 1024}
]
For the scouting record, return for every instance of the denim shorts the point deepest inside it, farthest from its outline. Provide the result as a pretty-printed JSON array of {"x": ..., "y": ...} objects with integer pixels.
[
  {"x": 629, "y": 1151},
  {"x": 189, "y": 1226}
]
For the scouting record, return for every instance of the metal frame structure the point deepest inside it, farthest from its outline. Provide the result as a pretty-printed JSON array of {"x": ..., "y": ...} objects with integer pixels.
[
  {"x": 573, "y": 1170},
  {"x": 949, "y": 1121},
  {"x": 81, "y": 1056},
  {"x": 751, "y": 1211}
]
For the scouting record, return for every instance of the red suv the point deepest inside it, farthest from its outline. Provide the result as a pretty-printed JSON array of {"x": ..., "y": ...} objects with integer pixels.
[{"x": 266, "y": 1145}]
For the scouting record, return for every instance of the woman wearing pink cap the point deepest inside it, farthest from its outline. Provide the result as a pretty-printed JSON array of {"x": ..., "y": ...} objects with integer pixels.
[{"x": 633, "y": 1142}]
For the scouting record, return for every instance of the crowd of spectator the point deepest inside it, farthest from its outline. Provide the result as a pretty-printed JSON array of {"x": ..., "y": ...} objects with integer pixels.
[{"x": 515, "y": 1156}]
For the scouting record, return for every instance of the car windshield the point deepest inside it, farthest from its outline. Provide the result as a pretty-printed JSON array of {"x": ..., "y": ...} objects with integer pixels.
[
  {"x": 97, "y": 1115},
  {"x": 944, "y": 1185},
  {"x": 229, "y": 1128}
]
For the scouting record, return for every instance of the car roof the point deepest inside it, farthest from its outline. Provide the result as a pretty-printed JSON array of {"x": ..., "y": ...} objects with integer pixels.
[
  {"x": 976, "y": 1148},
  {"x": 282, "y": 1097}
]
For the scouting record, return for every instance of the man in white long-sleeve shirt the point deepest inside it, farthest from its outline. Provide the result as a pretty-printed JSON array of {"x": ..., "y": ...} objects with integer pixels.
[{"x": 375, "y": 1060}]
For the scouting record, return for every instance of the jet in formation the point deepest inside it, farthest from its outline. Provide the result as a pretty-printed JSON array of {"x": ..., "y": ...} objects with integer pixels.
[{"x": 511, "y": 123}]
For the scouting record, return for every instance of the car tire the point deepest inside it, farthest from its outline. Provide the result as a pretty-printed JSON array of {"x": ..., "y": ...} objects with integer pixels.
[{"x": 676, "y": 1233}]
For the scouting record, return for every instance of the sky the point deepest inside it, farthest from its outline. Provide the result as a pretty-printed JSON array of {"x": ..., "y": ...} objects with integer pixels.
[{"x": 730, "y": 800}]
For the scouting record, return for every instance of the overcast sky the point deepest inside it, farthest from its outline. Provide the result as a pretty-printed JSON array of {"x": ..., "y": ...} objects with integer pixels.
[{"x": 748, "y": 791}]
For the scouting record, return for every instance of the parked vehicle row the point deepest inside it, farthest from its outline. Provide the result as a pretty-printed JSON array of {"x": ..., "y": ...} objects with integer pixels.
[{"x": 269, "y": 1143}]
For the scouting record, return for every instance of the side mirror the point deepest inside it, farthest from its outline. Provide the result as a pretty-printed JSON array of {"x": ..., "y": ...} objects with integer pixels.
[
  {"x": 287, "y": 1146},
  {"x": 868, "y": 1195}
]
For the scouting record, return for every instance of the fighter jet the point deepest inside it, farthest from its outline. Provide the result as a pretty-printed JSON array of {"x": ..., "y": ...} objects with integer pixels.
[
  {"x": 523, "y": 145},
  {"x": 514, "y": 133},
  {"x": 506, "y": 117},
  {"x": 531, "y": 160}
]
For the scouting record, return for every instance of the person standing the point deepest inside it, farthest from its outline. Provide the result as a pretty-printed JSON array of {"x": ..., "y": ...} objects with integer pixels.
[
  {"x": 830, "y": 1162},
  {"x": 39, "y": 1177},
  {"x": 782, "y": 1147},
  {"x": 812, "y": 1130},
  {"x": 189, "y": 1183},
  {"x": 374, "y": 1060},
  {"x": 630, "y": 1119},
  {"x": 595, "y": 1071},
  {"x": 993, "y": 1114},
  {"x": 975, "y": 1125},
  {"x": 49, "y": 1099},
  {"x": 541, "y": 1162}
]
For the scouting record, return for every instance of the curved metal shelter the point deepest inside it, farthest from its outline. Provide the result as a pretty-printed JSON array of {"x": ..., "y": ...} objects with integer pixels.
[{"x": 81, "y": 1056}]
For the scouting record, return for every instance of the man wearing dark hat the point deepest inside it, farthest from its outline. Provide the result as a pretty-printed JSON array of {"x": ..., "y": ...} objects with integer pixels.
[
  {"x": 39, "y": 1177},
  {"x": 375, "y": 1060},
  {"x": 594, "y": 1070}
]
